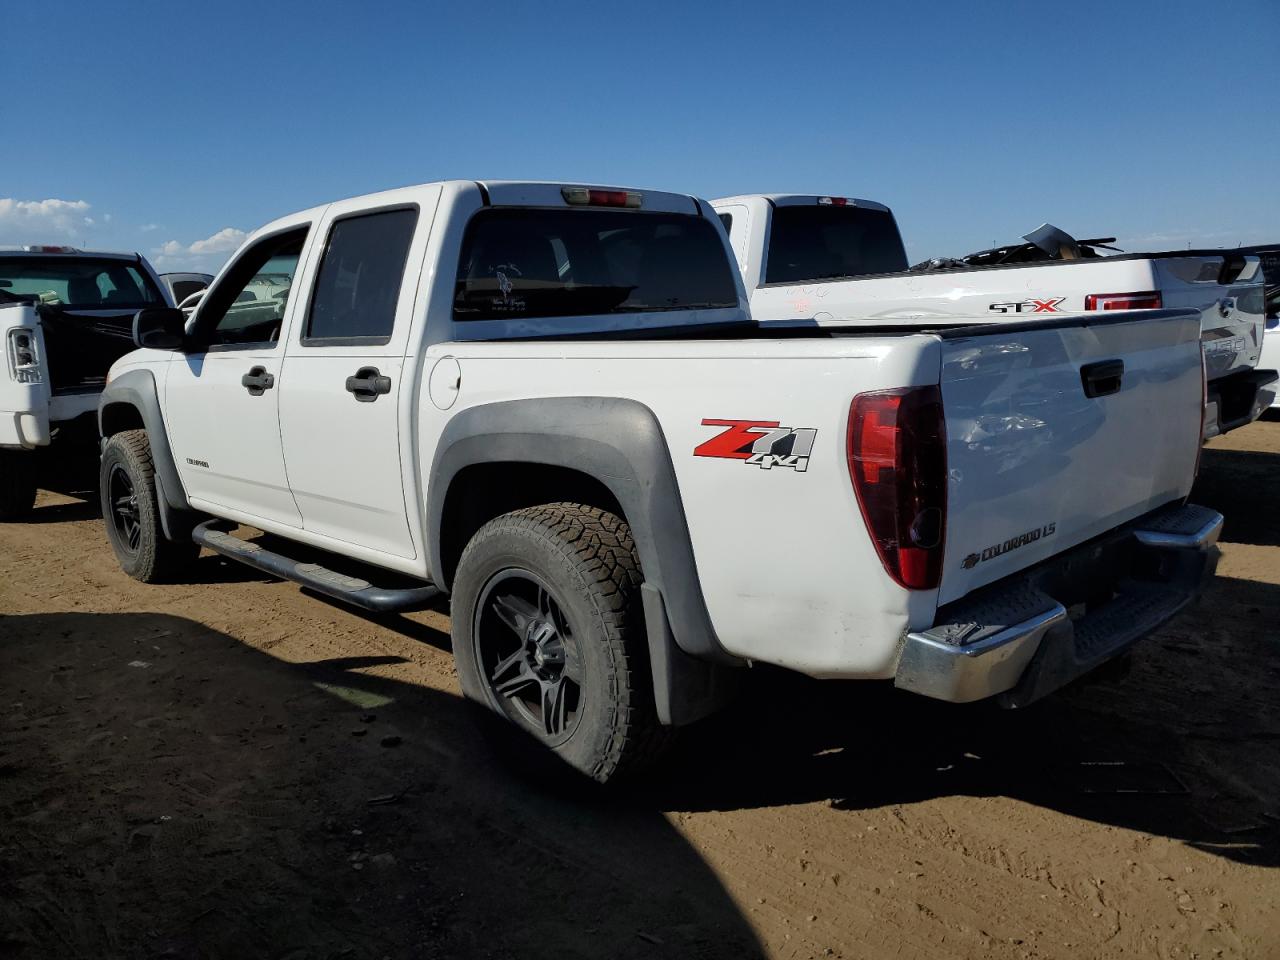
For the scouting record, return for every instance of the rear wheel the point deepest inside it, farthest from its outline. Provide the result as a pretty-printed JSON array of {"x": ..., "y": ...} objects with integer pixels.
[
  {"x": 131, "y": 512},
  {"x": 17, "y": 484},
  {"x": 549, "y": 637}
]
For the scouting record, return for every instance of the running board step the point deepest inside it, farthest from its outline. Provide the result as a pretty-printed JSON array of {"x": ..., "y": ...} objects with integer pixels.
[{"x": 352, "y": 590}]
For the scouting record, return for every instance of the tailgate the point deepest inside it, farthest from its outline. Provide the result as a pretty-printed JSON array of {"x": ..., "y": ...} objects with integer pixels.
[{"x": 1059, "y": 431}]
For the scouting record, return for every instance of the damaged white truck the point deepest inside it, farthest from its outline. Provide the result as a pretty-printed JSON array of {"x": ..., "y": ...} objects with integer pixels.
[
  {"x": 550, "y": 402},
  {"x": 840, "y": 261},
  {"x": 65, "y": 316}
]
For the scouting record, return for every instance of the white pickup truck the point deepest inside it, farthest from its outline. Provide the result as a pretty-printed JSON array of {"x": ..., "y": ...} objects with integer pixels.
[
  {"x": 550, "y": 402},
  {"x": 65, "y": 316},
  {"x": 839, "y": 261}
]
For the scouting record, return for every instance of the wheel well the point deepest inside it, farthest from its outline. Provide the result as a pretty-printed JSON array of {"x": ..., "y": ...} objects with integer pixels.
[
  {"x": 483, "y": 491},
  {"x": 118, "y": 417}
]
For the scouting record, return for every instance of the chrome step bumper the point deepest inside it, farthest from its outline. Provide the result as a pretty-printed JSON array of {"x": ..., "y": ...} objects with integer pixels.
[{"x": 1026, "y": 637}]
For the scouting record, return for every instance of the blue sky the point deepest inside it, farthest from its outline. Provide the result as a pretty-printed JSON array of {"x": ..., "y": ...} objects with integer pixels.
[{"x": 170, "y": 127}]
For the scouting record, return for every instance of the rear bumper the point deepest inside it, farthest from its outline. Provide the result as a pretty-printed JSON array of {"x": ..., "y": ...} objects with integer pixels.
[
  {"x": 1239, "y": 399},
  {"x": 1027, "y": 636}
]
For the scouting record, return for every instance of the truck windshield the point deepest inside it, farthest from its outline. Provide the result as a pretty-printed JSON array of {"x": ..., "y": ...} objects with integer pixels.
[
  {"x": 86, "y": 283},
  {"x": 520, "y": 263},
  {"x": 829, "y": 243}
]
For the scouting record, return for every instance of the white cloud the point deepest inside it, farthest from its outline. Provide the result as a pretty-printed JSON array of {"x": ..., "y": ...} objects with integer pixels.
[
  {"x": 37, "y": 221},
  {"x": 206, "y": 254},
  {"x": 149, "y": 227}
]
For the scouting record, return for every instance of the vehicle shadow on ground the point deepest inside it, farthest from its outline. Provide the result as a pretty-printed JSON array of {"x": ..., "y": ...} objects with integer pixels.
[
  {"x": 1242, "y": 486},
  {"x": 167, "y": 790},
  {"x": 1187, "y": 746}
]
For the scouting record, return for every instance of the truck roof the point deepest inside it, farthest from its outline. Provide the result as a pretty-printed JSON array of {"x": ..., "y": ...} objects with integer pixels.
[
  {"x": 507, "y": 192},
  {"x": 799, "y": 199},
  {"x": 52, "y": 250}
]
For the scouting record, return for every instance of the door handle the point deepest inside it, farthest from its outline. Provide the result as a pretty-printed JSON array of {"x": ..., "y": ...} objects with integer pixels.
[
  {"x": 1103, "y": 378},
  {"x": 368, "y": 384},
  {"x": 257, "y": 381}
]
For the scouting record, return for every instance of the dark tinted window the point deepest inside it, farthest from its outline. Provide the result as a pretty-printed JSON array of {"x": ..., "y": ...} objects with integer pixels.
[
  {"x": 185, "y": 288},
  {"x": 521, "y": 263},
  {"x": 80, "y": 282},
  {"x": 825, "y": 242},
  {"x": 727, "y": 220},
  {"x": 358, "y": 285}
]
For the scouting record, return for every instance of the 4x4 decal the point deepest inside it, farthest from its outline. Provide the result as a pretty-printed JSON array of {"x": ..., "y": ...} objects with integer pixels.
[{"x": 760, "y": 443}]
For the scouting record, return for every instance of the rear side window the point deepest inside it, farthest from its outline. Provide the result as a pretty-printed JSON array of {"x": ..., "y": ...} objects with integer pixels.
[
  {"x": 358, "y": 285},
  {"x": 828, "y": 242},
  {"x": 527, "y": 263},
  {"x": 727, "y": 220}
]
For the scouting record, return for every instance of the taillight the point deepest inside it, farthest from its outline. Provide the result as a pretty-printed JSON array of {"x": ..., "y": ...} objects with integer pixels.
[
  {"x": 833, "y": 201},
  {"x": 1124, "y": 301},
  {"x": 588, "y": 197},
  {"x": 898, "y": 463},
  {"x": 24, "y": 355}
]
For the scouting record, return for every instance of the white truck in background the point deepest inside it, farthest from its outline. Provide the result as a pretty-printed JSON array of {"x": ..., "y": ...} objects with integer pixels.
[
  {"x": 839, "y": 261},
  {"x": 66, "y": 315},
  {"x": 550, "y": 402}
]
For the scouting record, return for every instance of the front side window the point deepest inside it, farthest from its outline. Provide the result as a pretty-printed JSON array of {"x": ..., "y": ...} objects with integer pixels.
[
  {"x": 830, "y": 242},
  {"x": 247, "y": 307},
  {"x": 81, "y": 283},
  {"x": 523, "y": 263},
  {"x": 358, "y": 285}
]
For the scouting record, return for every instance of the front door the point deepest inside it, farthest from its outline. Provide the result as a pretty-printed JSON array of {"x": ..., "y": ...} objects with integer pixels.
[
  {"x": 344, "y": 400},
  {"x": 222, "y": 397}
]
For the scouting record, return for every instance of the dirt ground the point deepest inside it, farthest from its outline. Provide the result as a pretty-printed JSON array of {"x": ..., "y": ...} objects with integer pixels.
[{"x": 233, "y": 768}]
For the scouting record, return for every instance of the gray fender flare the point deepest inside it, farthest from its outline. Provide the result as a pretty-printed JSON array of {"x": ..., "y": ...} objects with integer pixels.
[
  {"x": 137, "y": 389},
  {"x": 619, "y": 443}
]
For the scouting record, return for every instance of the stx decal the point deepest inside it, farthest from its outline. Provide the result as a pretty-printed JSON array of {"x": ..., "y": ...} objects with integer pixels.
[
  {"x": 760, "y": 443},
  {"x": 1013, "y": 543},
  {"x": 1029, "y": 306}
]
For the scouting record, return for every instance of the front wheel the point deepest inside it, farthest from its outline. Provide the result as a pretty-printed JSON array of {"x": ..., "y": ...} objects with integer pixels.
[
  {"x": 17, "y": 484},
  {"x": 549, "y": 636},
  {"x": 131, "y": 512}
]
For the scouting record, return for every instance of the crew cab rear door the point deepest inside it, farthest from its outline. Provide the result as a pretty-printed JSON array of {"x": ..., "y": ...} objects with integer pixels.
[
  {"x": 1058, "y": 431},
  {"x": 345, "y": 403}
]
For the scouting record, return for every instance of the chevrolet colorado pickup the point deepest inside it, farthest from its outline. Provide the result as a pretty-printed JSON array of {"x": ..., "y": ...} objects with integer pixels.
[
  {"x": 840, "y": 261},
  {"x": 550, "y": 402},
  {"x": 65, "y": 316}
]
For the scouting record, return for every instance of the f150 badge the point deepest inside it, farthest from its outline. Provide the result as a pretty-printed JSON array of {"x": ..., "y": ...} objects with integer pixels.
[
  {"x": 760, "y": 443},
  {"x": 1049, "y": 305}
]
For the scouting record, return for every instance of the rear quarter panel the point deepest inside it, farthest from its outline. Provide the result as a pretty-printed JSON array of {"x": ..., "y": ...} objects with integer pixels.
[{"x": 787, "y": 568}]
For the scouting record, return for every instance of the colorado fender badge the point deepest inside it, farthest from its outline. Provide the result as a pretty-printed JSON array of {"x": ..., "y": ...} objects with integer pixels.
[{"x": 760, "y": 443}]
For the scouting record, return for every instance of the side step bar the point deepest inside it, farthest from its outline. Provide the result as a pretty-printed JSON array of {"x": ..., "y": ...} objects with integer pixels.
[{"x": 352, "y": 590}]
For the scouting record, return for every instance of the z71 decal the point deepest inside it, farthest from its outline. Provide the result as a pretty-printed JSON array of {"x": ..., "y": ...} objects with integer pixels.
[
  {"x": 1049, "y": 305},
  {"x": 760, "y": 443}
]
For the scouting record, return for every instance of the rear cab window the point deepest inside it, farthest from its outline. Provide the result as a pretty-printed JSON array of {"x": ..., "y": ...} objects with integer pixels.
[
  {"x": 808, "y": 243},
  {"x": 535, "y": 263},
  {"x": 80, "y": 283}
]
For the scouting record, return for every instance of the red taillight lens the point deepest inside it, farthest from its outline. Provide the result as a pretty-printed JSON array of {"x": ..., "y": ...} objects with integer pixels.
[
  {"x": 1123, "y": 301},
  {"x": 897, "y": 450},
  {"x": 833, "y": 201}
]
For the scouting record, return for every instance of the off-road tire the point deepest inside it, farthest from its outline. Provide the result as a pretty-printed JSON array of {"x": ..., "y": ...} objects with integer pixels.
[
  {"x": 17, "y": 484},
  {"x": 587, "y": 557},
  {"x": 155, "y": 559}
]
